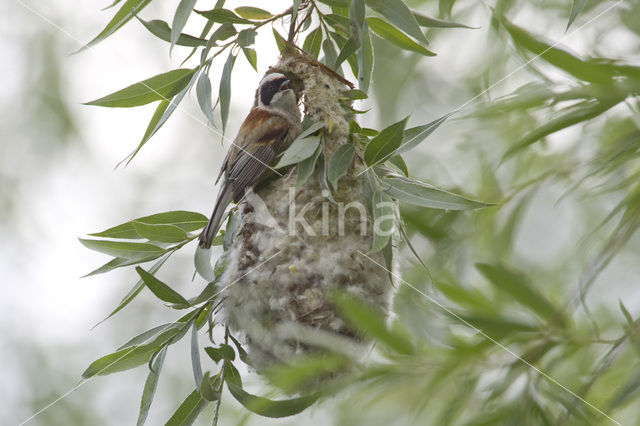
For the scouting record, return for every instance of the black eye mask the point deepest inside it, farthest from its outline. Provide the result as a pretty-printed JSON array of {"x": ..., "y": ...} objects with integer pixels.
[{"x": 269, "y": 89}]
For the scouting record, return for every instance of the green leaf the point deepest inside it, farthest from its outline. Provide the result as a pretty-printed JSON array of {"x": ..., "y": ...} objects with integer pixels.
[
  {"x": 126, "y": 359},
  {"x": 313, "y": 43},
  {"x": 356, "y": 17},
  {"x": 270, "y": 408},
  {"x": 303, "y": 147},
  {"x": 518, "y": 287},
  {"x": 160, "y": 116},
  {"x": 160, "y": 232},
  {"x": 225, "y": 352},
  {"x": 594, "y": 72},
  {"x": 223, "y": 32},
  {"x": 232, "y": 374},
  {"x": 196, "y": 366},
  {"x": 128, "y": 10},
  {"x": 122, "y": 360},
  {"x": 254, "y": 13},
  {"x": 209, "y": 388},
  {"x": 383, "y": 212},
  {"x": 280, "y": 41},
  {"x": 223, "y": 16},
  {"x": 420, "y": 194},
  {"x": 348, "y": 48},
  {"x": 336, "y": 3},
  {"x": 567, "y": 117},
  {"x": 399, "y": 14},
  {"x": 157, "y": 88},
  {"x": 306, "y": 167},
  {"x": 225, "y": 89},
  {"x": 369, "y": 320},
  {"x": 246, "y": 37},
  {"x": 415, "y": 135},
  {"x": 300, "y": 150},
  {"x": 399, "y": 164},
  {"x": 365, "y": 59},
  {"x": 184, "y": 9},
  {"x": 120, "y": 262},
  {"x": 630, "y": 389},
  {"x": 185, "y": 220},
  {"x": 150, "y": 386},
  {"x": 146, "y": 336},
  {"x": 123, "y": 249},
  {"x": 161, "y": 290},
  {"x": 330, "y": 54},
  {"x": 189, "y": 410},
  {"x": 251, "y": 56},
  {"x": 385, "y": 143},
  {"x": 497, "y": 327},
  {"x": 203, "y": 93},
  {"x": 339, "y": 163},
  {"x": 137, "y": 288},
  {"x": 161, "y": 30},
  {"x": 395, "y": 36},
  {"x": 429, "y": 22},
  {"x": 576, "y": 8}
]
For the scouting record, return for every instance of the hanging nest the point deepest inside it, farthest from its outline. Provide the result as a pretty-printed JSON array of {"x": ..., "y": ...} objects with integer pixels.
[{"x": 279, "y": 282}]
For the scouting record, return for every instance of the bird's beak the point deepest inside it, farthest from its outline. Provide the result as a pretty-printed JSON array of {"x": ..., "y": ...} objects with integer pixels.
[{"x": 285, "y": 85}]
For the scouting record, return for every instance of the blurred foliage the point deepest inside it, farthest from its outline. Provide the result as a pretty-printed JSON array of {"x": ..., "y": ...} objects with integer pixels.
[{"x": 486, "y": 333}]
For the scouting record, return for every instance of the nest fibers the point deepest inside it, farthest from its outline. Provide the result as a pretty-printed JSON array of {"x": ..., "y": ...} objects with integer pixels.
[{"x": 283, "y": 277}]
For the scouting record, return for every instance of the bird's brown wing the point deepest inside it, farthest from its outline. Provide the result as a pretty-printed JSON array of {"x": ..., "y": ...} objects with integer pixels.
[{"x": 261, "y": 137}]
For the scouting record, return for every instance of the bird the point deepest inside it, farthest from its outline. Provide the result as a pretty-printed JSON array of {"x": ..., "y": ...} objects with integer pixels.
[{"x": 270, "y": 127}]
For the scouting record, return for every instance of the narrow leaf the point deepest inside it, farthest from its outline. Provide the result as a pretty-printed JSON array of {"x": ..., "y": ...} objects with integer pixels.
[
  {"x": 415, "y": 135},
  {"x": 576, "y": 8},
  {"x": 196, "y": 366},
  {"x": 365, "y": 59},
  {"x": 223, "y": 16},
  {"x": 385, "y": 143},
  {"x": 369, "y": 320},
  {"x": 225, "y": 89},
  {"x": 160, "y": 289},
  {"x": 203, "y": 93},
  {"x": 164, "y": 111},
  {"x": 306, "y": 167},
  {"x": 160, "y": 232},
  {"x": 395, "y": 36},
  {"x": 180, "y": 19},
  {"x": 339, "y": 163},
  {"x": 189, "y": 410},
  {"x": 123, "y": 249},
  {"x": 300, "y": 150},
  {"x": 567, "y": 117},
  {"x": 383, "y": 215},
  {"x": 429, "y": 22},
  {"x": 399, "y": 14},
  {"x": 128, "y": 10},
  {"x": 161, "y": 30},
  {"x": 420, "y": 194},
  {"x": 185, "y": 220},
  {"x": 137, "y": 288},
  {"x": 594, "y": 72},
  {"x": 254, "y": 13},
  {"x": 518, "y": 287},
  {"x": 150, "y": 386},
  {"x": 270, "y": 408},
  {"x": 313, "y": 43},
  {"x": 157, "y": 88},
  {"x": 252, "y": 57}
]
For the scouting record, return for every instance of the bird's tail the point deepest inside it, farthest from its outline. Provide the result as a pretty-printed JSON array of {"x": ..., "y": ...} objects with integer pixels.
[{"x": 209, "y": 232}]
